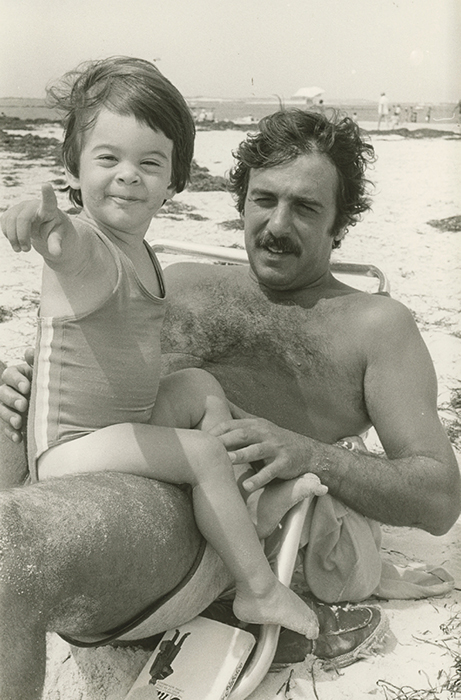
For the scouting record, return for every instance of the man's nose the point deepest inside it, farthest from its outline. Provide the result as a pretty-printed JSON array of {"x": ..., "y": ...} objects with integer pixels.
[
  {"x": 280, "y": 220},
  {"x": 128, "y": 173}
]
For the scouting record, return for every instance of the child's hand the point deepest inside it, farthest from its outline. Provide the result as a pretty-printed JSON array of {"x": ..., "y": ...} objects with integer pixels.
[{"x": 37, "y": 222}]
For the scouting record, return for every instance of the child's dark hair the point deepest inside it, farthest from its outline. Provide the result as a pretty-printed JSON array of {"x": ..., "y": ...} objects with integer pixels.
[
  {"x": 287, "y": 134},
  {"x": 127, "y": 86}
]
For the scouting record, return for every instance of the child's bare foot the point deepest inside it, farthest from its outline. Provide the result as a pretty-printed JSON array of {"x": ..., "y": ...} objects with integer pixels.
[
  {"x": 280, "y": 606},
  {"x": 277, "y": 498}
]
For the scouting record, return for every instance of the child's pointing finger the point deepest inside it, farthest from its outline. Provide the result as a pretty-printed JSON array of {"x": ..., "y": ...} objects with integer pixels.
[{"x": 49, "y": 205}]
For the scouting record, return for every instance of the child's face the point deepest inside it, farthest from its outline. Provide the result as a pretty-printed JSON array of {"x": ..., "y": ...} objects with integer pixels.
[{"x": 125, "y": 173}]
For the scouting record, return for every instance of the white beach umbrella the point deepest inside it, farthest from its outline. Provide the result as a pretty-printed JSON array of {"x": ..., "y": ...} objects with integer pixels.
[{"x": 309, "y": 92}]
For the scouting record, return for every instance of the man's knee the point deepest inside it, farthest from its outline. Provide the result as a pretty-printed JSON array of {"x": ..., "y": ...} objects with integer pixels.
[
  {"x": 20, "y": 551},
  {"x": 67, "y": 544}
]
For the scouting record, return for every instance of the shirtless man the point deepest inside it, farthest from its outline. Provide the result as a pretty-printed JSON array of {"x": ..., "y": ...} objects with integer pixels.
[{"x": 317, "y": 359}]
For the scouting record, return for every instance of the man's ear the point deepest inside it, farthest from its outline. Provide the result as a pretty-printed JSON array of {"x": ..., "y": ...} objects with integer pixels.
[{"x": 340, "y": 235}]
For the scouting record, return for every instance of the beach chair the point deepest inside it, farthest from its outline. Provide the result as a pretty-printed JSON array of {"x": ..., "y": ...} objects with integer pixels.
[
  {"x": 238, "y": 256},
  {"x": 290, "y": 532}
]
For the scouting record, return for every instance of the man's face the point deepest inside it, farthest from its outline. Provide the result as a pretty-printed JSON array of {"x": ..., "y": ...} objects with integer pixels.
[{"x": 289, "y": 213}]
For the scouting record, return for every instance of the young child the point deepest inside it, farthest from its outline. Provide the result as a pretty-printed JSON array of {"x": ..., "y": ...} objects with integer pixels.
[{"x": 97, "y": 400}]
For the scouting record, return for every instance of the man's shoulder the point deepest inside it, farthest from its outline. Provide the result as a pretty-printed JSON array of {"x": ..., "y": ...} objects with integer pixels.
[
  {"x": 372, "y": 315},
  {"x": 379, "y": 325},
  {"x": 379, "y": 310}
]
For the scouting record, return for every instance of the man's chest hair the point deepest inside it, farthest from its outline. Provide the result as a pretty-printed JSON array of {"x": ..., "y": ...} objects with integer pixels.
[{"x": 219, "y": 322}]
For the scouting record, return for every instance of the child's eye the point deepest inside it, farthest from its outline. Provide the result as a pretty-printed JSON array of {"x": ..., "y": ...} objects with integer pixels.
[
  {"x": 107, "y": 158},
  {"x": 151, "y": 163}
]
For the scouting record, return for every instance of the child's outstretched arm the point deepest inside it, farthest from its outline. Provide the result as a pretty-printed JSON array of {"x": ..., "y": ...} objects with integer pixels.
[
  {"x": 79, "y": 272},
  {"x": 41, "y": 224}
]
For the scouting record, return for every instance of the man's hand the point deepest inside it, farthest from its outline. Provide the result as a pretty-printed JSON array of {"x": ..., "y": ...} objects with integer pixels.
[
  {"x": 14, "y": 394},
  {"x": 249, "y": 439},
  {"x": 39, "y": 223}
]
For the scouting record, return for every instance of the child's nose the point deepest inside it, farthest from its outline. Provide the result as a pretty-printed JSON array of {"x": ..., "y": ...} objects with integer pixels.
[{"x": 128, "y": 174}]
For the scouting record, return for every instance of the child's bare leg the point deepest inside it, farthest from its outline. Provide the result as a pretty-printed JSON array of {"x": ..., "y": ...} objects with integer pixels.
[
  {"x": 223, "y": 519},
  {"x": 210, "y": 407},
  {"x": 275, "y": 500}
]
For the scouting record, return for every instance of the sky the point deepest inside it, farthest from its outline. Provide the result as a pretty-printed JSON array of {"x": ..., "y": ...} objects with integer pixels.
[{"x": 352, "y": 49}]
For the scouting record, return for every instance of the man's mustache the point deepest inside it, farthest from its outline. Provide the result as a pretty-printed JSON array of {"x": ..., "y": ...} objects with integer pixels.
[{"x": 280, "y": 244}]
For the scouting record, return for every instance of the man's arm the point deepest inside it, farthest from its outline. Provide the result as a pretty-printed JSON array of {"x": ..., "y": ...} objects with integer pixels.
[
  {"x": 15, "y": 387},
  {"x": 13, "y": 463},
  {"x": 417, "y": 484}
]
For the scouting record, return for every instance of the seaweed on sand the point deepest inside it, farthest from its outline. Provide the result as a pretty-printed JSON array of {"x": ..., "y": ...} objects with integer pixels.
[
  {"x": 203, "y": 181},
  {"x": 5, "y": 314},
  {"x": 31, "y": 146},
  {"x": 451, "y": 223},
  {"x": 448, "y": 684},
  {"x": 179, "y": 211}
]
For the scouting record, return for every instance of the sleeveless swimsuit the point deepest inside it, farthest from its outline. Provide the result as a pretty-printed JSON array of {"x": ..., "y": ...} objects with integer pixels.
[{"x": 100, "y": 368}]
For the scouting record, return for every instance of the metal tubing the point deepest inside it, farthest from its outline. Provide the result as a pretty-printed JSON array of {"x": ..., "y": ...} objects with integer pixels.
[
  {"x": 266, "y": 646},
  {"x": 239, "y": 256}
]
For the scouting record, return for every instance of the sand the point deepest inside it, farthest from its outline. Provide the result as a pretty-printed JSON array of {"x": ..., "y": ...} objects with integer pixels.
[{"x": 417, "y": 180}]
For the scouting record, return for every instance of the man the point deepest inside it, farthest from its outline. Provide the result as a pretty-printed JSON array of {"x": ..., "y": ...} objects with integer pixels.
[{"x": 317, "y": 359}]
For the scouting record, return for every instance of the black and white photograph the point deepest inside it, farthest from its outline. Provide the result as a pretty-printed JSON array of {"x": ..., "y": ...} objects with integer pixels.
[{"x": 230, "y": 350}]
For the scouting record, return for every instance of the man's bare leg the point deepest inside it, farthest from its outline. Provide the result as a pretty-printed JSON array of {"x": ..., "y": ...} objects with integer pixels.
[{"x": 80, "y": 555}]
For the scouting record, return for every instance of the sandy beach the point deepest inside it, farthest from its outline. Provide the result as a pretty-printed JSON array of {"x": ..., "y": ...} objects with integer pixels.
[{"x": 417, "y": 181}]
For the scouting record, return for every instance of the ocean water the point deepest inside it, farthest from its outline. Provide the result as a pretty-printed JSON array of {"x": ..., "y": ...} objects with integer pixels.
[{"x": 245, "y": 109}]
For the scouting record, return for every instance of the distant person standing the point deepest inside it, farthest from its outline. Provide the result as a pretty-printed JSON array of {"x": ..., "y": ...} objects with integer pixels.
[
  {"x": 383, "y": 109},
  {"x": 396, "y": 116}
]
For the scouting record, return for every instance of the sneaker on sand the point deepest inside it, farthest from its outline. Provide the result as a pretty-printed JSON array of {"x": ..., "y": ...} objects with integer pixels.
[{"x": 348, "y": 632}]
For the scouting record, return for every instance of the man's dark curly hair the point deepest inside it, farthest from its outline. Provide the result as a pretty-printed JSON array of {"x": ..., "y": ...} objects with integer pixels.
[
  {"x": 126, "y": 86},
  {"x": 289, "y": 133}
]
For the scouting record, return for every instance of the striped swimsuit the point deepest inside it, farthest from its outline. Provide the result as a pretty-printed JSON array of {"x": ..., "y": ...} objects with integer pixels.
[{"x": 98, "y": 369}]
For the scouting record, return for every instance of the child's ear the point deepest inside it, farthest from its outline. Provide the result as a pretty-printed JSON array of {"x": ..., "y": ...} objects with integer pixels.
[{"x": 73, "y": 181}]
